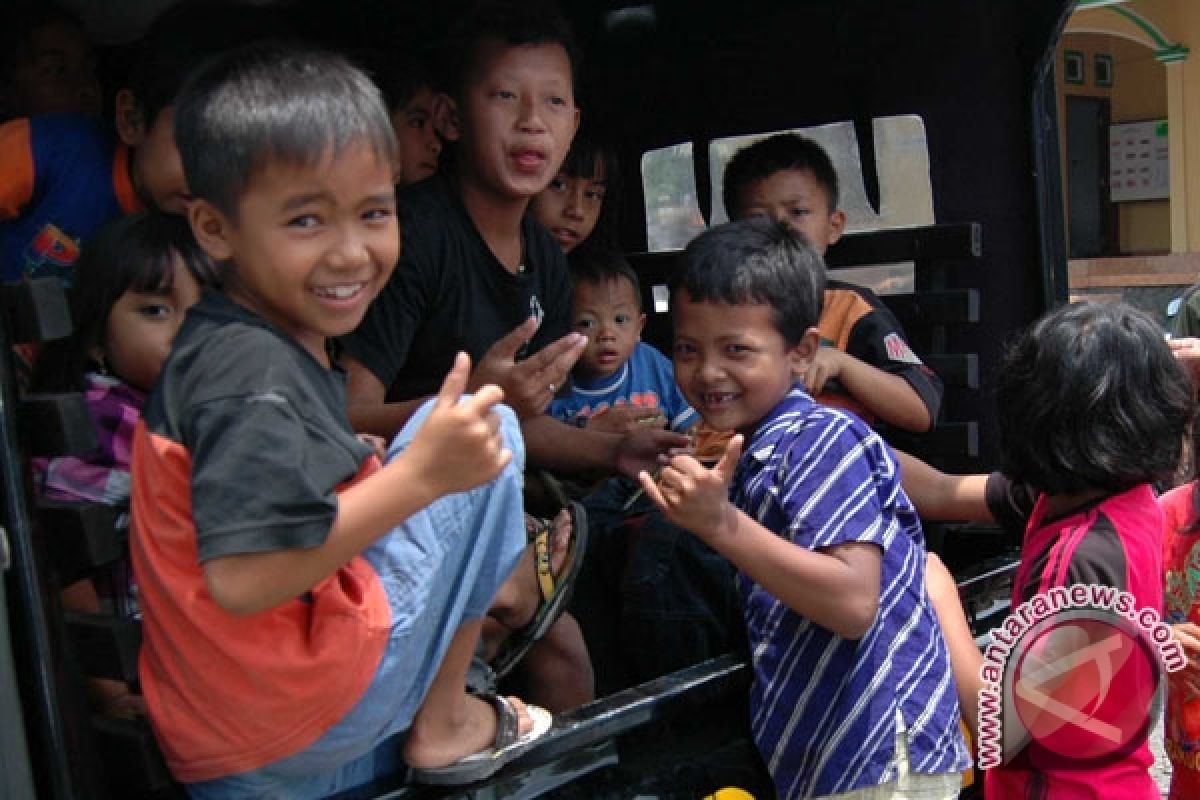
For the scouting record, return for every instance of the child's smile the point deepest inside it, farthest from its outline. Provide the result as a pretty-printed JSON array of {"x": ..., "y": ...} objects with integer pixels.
[{"x": 731, "y": 363}]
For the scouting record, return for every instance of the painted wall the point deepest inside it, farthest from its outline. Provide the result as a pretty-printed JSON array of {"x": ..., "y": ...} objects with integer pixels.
[
  {"x": 1138, "y": 92},
  {"x": 1169, "y": 32}
]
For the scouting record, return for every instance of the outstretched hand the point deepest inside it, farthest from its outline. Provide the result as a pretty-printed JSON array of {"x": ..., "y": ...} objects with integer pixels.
[
  {"x": 697, "y": 498},
  {"x": 531, "y": 384},
  {"x": 459, "y": 446}
]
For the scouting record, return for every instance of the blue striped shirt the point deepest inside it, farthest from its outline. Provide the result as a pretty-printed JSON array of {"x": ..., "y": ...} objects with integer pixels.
[{"x": 824, "y": 709}]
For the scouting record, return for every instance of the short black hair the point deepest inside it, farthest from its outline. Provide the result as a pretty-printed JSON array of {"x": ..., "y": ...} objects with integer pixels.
[
  {"x": 514, "y": 23},
  {"x": 136, "y": 252},
  {"x": 1090, "y": 397},
  {"x": 182, "y": 37},
  {"x": 764, "y": 158},
  {"x": 756, "y": 261},
  {"x": 599, "y": 267},
  {"x": 272, "y": 101}
]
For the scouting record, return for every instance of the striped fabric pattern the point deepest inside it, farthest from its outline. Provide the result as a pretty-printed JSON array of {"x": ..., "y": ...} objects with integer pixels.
[{"x": 823, "y": 708}]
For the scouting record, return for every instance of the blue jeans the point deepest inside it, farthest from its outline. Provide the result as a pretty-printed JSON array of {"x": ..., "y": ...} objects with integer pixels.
[{"x": 440, "y": 567}]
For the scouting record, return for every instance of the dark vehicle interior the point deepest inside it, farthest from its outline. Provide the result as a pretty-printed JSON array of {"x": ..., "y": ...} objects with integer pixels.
[{"x": 972, "y": 87}]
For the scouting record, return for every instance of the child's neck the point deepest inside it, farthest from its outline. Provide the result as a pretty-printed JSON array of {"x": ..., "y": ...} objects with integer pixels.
[
  {"x": 1059, "y": 505},
  {"x": 498, "y": 220}
]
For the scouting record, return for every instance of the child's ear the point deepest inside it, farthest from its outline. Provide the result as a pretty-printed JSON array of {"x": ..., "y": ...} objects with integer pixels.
[
  {"x": 837, "y": 225},
  {"x": 211, "y": 228},
  {"x": 131, "y": 122},
  {"x": 641, "y": 325},
  {"x": 445, "y": 116},
  {"x": 802, "y": 352}
]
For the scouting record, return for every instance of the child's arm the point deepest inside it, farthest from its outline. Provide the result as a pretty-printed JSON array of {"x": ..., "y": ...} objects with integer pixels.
[
  {"x": 835, "y": 587},
  {"x": 965, "y": 658},
  {"x": 457, "y": 448},
  {"x": 889, "y": 397},
  {"x": 941, "y": 496}
]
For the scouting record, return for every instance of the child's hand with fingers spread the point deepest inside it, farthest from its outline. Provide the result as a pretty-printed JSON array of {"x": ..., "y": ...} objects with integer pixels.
[
  {"x": 695, "y": 497},
  {"x": 459, "y": 445}
]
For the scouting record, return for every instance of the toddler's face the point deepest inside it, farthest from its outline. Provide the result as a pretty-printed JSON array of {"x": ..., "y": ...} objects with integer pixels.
[
  {"x": 794, "y": 197},
  {"x": 417, "y": 142},
  {"x": 142, "y": 325},
  {"x": 570, "y": 206},
  {"x": 517, "y": 118},
  {"x": 730, "y": 361},
  {"x": 57, "y": 76},
  {"x": 610, "y": 315}
]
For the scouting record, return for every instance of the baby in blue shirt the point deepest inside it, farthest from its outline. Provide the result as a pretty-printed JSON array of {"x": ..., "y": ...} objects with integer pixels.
[{"x": 619, "y": 381}]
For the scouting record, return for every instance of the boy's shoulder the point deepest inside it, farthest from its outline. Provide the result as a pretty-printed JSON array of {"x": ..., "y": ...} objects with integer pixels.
[
  {"x": 800, "y": 431},
  {"x": 223, "y": 350}
]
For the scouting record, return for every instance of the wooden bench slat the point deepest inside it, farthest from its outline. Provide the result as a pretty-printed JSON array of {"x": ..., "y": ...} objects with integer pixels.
[
  {"x": 36, "y": 310},
  {"x": 949, "y": 241},
  {"x": 955, "y": 369},
  {"x": 106, "y": 646},
  {"x": 927, "y": 309},
  {"x": 79, "y": 538},
  {"x": 947, "y": 439},
  {"x": 56, "y": 425}
]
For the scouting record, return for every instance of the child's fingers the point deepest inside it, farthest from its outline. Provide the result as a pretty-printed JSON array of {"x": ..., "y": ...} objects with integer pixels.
[
  {"x": 651, "y": 489},
  {"x": 455, "y": 382},
  {"x": 482, "y": 401},
  {"x": 729, "y": 459}
]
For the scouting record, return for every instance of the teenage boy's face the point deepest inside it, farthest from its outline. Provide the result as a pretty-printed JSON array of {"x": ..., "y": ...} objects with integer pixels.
[
  {"x": 794, "y": 197},
  {"x": 58, "y": 76},
  {"x": 418, "y": 144},
  {"x": 518, "y": 117},
  {"x": 311, "y": 245},
  {"x": 731, "y": 363},
  {"x": 569, "y": 207},
  {"x": 156, "y": 165},
  {"x": 610, "y": 316}
]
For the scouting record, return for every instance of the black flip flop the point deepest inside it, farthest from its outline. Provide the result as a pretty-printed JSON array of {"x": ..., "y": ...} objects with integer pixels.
[
  {"x": 555, "y": 595},
  {"x": 505, "y": 749}
]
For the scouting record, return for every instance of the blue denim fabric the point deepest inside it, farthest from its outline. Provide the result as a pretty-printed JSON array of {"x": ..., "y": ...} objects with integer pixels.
[
  {"x": 440, "y": 567},
  {"x": 675, "y": 602}
]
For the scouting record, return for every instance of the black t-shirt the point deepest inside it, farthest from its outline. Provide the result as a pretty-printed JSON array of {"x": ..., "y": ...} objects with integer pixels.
[
  {"x": 265, "y": 428},
  {"x": 450, "y": 293}
]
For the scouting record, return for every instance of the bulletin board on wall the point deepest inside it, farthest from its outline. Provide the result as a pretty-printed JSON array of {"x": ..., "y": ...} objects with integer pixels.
[{"x": 1139, "y": 161}]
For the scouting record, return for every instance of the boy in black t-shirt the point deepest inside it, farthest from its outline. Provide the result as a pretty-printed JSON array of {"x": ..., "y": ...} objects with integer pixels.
[{"x": 476, "y": 275}]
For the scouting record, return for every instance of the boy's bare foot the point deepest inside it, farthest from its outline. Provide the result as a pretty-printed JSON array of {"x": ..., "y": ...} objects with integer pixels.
[
  {"x": 518, "y": 599},
  {"x": 441, "y": 740}
]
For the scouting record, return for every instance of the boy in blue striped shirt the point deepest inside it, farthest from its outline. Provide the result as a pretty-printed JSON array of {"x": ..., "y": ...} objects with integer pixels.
[{"x": 852, "y": 694}]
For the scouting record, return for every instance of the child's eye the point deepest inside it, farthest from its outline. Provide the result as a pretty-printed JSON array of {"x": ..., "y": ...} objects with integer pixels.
[
  {"x": 622, "y": 319},
  {"x": 155, "y": 310},
  {"x": 417, "y": 121},
  {"x": 736, "y": 349},
  {"x": 304, "y": 221},
  {"x": 558, "y": 184},
  {"x": 504, "y": 94},
  {"x": 585, "y": 324},
  {"x": 377, "y": 214},
  {"x": 556, "y": 100},
  {"x": 799, "y": 212},
  {"x": 595, "y": 193},
  {"x": 683, "y": 350}
]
